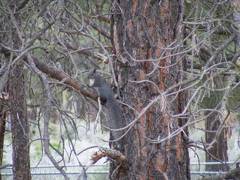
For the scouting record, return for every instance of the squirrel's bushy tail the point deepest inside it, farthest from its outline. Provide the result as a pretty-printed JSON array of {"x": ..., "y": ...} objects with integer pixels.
[{"x": 115, "y": 117}]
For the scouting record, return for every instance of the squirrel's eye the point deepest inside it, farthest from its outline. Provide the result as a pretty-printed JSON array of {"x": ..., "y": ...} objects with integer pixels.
[{"x": 91, "y": 82}]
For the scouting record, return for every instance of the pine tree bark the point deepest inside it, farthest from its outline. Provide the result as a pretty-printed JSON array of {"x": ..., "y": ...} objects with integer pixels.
[
  {"x": 18, "y": 107},
  {"x": 19, "y": 124},
  {"x": 142, "y": 30}
]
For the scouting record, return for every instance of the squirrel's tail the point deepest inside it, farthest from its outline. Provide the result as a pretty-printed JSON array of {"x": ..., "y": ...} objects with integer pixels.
[{"x": 115, "y": 119}]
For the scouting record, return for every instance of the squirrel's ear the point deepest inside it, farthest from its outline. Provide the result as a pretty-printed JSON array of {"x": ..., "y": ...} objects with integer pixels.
[
  {"x": 92, "y": 77},
  {"x": 93, "y": 71},
  {"x": 91, "y": 82}
]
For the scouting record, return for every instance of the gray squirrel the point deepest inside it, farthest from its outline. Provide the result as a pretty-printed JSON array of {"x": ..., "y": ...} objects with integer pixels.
[{"x": 113, "y": 109}]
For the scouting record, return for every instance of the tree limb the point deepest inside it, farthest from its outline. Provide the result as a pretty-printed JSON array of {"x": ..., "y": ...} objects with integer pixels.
[
  {"x": 58, "y": 75},
  {"x": 111, "y": 153}
]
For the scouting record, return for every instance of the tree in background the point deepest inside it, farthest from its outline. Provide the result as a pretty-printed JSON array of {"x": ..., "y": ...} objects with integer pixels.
[
  {"x": 3, "y": 116},
  {"x": 17, "y": 100},
  {"x": 215, "y": 51}
]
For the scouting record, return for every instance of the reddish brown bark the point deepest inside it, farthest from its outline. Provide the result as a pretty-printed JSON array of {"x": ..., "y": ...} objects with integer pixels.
[{"x": 141, "y": 31}]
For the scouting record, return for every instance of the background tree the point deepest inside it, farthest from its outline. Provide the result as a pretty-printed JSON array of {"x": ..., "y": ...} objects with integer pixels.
[
  {"x": 17, "y": 100},
  {"x": 4, "y": 107},
  {"x": 216, "y": 51}
]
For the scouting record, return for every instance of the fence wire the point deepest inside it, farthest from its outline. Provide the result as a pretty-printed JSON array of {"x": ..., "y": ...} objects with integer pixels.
[{"x": 100, "y": 172}]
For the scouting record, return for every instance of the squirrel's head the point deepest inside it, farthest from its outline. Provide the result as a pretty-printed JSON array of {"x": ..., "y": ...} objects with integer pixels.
[{"x": 95, "y": 80}]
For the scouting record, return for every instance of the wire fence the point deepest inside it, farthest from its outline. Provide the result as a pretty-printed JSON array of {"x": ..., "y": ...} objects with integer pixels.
[{"x": 100, "y": 172}]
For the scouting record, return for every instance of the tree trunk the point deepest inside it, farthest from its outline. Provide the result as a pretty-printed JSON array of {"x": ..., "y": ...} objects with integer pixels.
[
  {"x": 18, "y": 113},
  {"x": 142, "y": 30},
  {"x": 17, "y": 101},
  {"x": 218, "y": 151},
  {"x": 3, "y": 114},
  {"x": 215, "y": 135},
  {"x": 19, "y": 124}
]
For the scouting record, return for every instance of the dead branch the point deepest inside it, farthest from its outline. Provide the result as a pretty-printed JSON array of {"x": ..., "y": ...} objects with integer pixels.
[
  {"x": 58, "y": 75},
  {"x": 65, "y": 78},
  {"x": 110, "y": 153}
]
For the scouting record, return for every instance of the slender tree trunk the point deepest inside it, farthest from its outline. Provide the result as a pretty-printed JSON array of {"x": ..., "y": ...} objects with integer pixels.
[
  {"x": 218, "y": 151},
  {"x": 19, "y": 124},
  {"x": 3, "y": 114},
  {"x": 215, "y": 134},
  {"x": 18, "y": 107},
  {"x": 4, "y": 108},
  {"x": 142, "y": 30}
]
